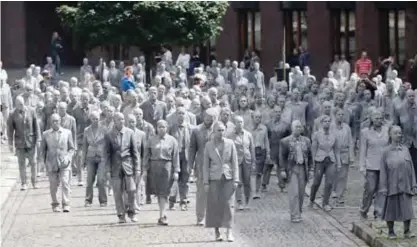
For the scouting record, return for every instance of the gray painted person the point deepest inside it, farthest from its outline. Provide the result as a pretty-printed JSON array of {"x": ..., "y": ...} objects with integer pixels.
[
  {"x": 199, "y": 137},
  {"x": 372, "y": 141},
  {"x": 23, "y": 132},
  {"x": 121, "y": 158},
  {"x": 221, "y": 178},
  {"x": 93, "y": 145},
  {"x": 397, "y": 184},
  {"x": 295, "y": 164},
  {"x": 57, "y": 150},
  {"x": 325, "y": 151}
]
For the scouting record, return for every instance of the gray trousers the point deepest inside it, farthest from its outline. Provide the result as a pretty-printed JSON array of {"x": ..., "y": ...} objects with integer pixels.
[
  {"x": 79, "y": 168},
  {"x": 340, "y": 182},
  {"x": 296, "y": 189},
  {"x": 327, "y": 168},
  {"x": 60, "y": 177},
  {"x": 122, "y": 184},
  {"x": 245, "y": 186},
  {"x": 181, "y": 187},
  {"x": 370, "y": 192},
  {"x": 95, "y": 168},
  {"x": 23, "y": 154},
  {"x": 200, "y": 200}
]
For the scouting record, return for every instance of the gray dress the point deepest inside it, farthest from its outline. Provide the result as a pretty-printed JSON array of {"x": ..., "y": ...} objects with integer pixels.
[
  {"x": 161, "y": 160},
  {"x": 397, "y": 180}
]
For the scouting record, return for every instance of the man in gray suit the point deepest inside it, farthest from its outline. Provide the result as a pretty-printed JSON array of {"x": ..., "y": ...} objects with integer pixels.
[
  {"x": 57, "y": 150},
  {"x": 181, "y": 130},
  {"x": 199, "y": 137},
  {"x": 140, "y": 138},
  {"x": 153, "y": 109},
  {"x": 67, "y": 121},
  {"x": 23, "y": 129},
  {"x": 121, "y": 158},
  {"x": 82, "y": 116}
]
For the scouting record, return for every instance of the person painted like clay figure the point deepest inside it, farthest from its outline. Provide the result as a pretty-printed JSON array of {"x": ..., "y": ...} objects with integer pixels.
[
  {"x": 326, "y": 158},
  {"x": 372, "y": 141},
  {"x": 295, "y": 164},
  {"x": 398, "y": 184},
  {"x": 221, "y": 179}
]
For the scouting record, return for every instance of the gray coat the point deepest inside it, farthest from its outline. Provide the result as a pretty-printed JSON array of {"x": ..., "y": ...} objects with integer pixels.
[
  {"x": 57, "y": 149},
  {"x": 121, "y": 153},
  {"x": 23, "y": 129},
  {"x": 154, "y": 115}
]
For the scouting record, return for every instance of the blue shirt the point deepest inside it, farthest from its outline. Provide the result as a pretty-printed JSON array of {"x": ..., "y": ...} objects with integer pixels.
[{"x": 127, "y": 83}]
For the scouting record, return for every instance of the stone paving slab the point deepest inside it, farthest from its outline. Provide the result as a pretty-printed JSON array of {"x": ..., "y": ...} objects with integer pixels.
[
  {"x": 29, "y": 221},
  {"x": 9, "y": 172}
]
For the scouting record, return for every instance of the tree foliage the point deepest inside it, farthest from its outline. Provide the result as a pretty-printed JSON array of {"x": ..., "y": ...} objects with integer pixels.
[{"x": 143, "y": 23}]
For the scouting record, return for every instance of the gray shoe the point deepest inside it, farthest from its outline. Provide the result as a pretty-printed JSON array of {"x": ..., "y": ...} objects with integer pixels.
[
  {"x": 133, "y": 219},
  {"x": 56, "y": 209},
  {"x": 122, "y": 219},
  {"x": 66, "y": 209},
  {"x": 24, "y": 187}
]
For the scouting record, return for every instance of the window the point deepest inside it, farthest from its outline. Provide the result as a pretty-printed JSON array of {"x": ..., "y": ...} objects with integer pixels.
[
  {"x": 295, "y": 22},
  {"x": 396, "y": 33},
  {"x": 250, "y": 30},
  {"x": 343, "y": 28}
]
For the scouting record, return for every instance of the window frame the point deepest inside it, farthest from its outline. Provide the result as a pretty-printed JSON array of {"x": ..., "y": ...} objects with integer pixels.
[
  {"x": 246, "y": 41},
  {"x": 336, "y": 16}
]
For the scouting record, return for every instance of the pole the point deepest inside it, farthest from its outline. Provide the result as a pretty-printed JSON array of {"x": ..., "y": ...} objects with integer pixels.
[{"x": 284, "y": 70}]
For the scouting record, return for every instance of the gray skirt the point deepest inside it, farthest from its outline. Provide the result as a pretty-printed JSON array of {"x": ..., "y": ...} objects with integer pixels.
[
  {"x": 398, "y": 208},
  {"x": 220, "y": 208},
  {"x": 160, "y": 177}
]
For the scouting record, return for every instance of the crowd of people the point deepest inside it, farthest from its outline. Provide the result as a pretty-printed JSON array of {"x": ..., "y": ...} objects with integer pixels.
[{"x": 220, "y": 124}]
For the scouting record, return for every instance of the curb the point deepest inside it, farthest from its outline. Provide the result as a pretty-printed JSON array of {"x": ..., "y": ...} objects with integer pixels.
[
  {"x": 369, "y": 236},
  {"x": 9, "y": 175}
]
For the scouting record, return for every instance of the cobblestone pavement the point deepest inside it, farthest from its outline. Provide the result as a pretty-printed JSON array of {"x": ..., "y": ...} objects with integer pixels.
[
  {"x": 353, "y": 200},
  {"x": 29, "y": 221}
]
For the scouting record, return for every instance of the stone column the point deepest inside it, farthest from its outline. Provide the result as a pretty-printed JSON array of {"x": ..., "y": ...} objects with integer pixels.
[
  {"x": 13, "y": 34},
  {"x": 319, "y": 40},
  {"x": 227, "y": 44},
  {"x": 367, "y": 30},
  {"x": 272, "y": 34}
]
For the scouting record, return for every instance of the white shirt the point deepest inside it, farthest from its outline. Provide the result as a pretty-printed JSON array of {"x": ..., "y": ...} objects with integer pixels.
[
  {"x": 167, "y": 57},
  {"x": 345, "y": 66},
  {"x": 336, "y": 83},
  {"x": 183, "y": 60},
  {"x": 397, "y": 82},
  {"x": 3, "y": 75}
]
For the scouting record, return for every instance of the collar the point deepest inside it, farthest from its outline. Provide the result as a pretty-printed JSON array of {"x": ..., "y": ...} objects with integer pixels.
[
  {"x": 59, "y": 130},
  {"x": 119, "y": 131},
  {"x": 259, "y": 127},
  {"x": 296, "y": 138},
  {"x": 162, "y": 137},
  {"x": 182, "y": 125},
  {"x": 396, "y": 146},
  {"x": 241, "y": 132}
]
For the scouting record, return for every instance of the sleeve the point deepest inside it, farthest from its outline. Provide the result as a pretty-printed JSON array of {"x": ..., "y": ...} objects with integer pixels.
[
  {"x": 85, "y": 148},
  {"x": 252, "y": 147},
  {"x": 351, "y": 145},
  {"x": 135, "y": 153},
  {"x": 235, "y": 164},
  {"x": 43, "y": 149},
  {"x": 283, "y": 153},
  {"x": 192, "y": 150},
  {"x": 383, "y": 176},
  {"x": 206, "y": 165},
  {"x": 363, "y": 148},
  {"x": 175, "y": 156},
  {"x": 267, "y": 147},
  {"x": 71, "y": 147},
  {"x": 314, "y": 145},
  {"x": 10, "y": 129},
  {"x": 146, "y": 155},
  {"x": 107, "y": 152}
]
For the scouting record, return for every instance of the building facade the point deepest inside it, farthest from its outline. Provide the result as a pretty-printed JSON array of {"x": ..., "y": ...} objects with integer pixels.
[{"x": 324, "y": 28}]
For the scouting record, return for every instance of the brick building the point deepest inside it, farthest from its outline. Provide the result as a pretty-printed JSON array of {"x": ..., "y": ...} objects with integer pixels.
[{"x": 324, "y": 28}]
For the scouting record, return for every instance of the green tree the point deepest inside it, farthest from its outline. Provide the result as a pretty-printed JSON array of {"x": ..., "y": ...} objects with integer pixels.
[{"x": 144, "y": 24}]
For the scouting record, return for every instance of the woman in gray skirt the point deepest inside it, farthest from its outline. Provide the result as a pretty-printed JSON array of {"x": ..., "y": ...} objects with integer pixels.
[
  {"x": 220, "y": 177},
  {"x": 161, "y": 162},
  {"x": 397, "y": 184}
]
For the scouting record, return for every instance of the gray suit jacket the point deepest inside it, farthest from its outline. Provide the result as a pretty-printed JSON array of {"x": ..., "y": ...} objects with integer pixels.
[
  {"x": 23, "y": 129},
  {"x": 93, "y": 145},
  {"x": 220, "y": 162},
  {"x": 153, "y": 116},
  {"x": 68, "y": 122},
  {"x": 198, "y": 141},
  {"x": 174, "y": 131},
  {"x": 57, "y": 149},
  {"x": 189, "y": 118},
  {"x": 121, "y": 153}
]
